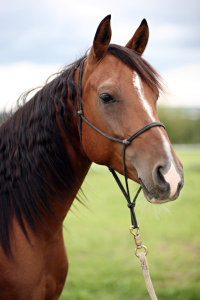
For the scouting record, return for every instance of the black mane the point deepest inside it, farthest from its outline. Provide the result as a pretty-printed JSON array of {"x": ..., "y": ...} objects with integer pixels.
[
  {"x": 33, "y": 156},
  {"x": 34, "y": 163}
]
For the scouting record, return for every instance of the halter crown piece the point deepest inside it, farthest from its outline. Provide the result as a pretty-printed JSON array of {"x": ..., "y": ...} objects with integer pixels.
[{"x": 126, "y": 142}]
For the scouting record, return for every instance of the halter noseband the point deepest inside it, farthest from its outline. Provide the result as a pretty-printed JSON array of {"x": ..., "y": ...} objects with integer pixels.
[{"x": 126, "y": 142}]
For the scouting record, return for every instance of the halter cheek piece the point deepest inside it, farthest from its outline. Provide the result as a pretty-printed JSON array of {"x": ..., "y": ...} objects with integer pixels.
[{"x": 126, "y": 142}]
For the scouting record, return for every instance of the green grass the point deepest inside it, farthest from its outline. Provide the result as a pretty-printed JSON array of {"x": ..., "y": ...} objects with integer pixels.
[{"x": 102, "y": 264}]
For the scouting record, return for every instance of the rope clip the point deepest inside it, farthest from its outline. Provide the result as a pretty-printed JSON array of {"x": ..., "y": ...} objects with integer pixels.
[
  {"x": 80, "y": 112},
  {"x": 137, "y": 239}
]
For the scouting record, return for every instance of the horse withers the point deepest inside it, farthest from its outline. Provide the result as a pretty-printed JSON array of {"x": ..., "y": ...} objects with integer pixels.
[{"x": 44, "y": 161}]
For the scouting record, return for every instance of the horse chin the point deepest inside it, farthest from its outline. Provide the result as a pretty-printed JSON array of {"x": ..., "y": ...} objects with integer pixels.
[
  {"x": 155, "y": 201},
  {"x": 152, "y": 199}
]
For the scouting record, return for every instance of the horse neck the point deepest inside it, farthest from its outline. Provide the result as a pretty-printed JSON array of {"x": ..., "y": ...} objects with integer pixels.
[
  {"x": 78, "y": 158},
  {"x": 80, "y": 164}
]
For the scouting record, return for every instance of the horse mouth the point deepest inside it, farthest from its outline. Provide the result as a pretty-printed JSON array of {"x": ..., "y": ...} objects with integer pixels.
[{"x": 152, "y": 198}]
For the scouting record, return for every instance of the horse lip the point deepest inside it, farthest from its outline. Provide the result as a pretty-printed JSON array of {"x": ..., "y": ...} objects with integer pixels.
[
  {"x": 155, "y": 201},
  {"x": 149, "y": 197},
  {"x": 145, "y": 191}
]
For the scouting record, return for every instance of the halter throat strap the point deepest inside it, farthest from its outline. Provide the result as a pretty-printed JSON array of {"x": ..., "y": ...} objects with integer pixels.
[{"x": 126, "y": 142}]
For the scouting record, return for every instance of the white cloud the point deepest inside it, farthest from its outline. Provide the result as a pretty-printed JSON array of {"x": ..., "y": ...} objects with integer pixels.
[
  {"x": 175, "y": 33},
  {"x": 55, "y": 31},
  {"x": 17, "y": 78},
  {"x": 183, "y": 85}
]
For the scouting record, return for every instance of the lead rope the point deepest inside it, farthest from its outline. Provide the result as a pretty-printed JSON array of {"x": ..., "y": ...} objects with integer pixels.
[
  {"x": 145, "y": 270},
  {"x": 126, "y": 193},
  {"x": 143, "y": 262},
  {"x": 138, "y": 242}
]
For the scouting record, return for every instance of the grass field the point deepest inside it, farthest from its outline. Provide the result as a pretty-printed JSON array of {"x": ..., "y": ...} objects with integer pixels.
[{"x": 102, "y": 264}]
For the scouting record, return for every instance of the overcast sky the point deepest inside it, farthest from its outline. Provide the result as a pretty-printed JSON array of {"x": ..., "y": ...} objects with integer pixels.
[{"x": 38, "y": 37}]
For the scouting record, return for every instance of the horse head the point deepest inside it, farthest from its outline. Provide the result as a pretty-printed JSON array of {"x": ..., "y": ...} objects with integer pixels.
[{"x": 119, "y": 96}]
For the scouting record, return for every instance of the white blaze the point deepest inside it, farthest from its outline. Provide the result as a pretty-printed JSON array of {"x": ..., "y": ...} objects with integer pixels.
[
  {"x": 166, "y": 145},
  {"x": 172, "y": 176},
  {"x": 138, "y": 85}
]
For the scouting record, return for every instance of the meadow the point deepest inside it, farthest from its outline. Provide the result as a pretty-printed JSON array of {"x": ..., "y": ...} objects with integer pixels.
[{"x": 102, "y": 263}]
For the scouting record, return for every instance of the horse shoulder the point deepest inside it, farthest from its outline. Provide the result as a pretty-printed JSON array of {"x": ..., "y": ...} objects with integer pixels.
[{"x": 37, "y": 270}]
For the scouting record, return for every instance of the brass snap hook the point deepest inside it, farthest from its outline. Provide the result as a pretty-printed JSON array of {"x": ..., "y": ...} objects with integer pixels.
[{"x": 137, "y": 239}]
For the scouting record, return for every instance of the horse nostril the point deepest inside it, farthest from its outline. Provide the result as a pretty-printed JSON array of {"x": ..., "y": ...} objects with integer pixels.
[
  {"x": 180, "y": 185},
  {"x": 159, "y": 179}
]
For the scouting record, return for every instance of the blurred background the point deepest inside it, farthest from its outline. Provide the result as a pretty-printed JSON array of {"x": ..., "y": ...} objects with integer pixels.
[{"x": 37, "y": 38}]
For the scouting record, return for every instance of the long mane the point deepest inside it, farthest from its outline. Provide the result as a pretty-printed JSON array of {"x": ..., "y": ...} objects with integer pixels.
[{"x": 34, "y": 164}]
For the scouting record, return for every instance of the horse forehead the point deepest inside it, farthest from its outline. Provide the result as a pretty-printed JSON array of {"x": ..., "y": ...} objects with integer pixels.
[
  {"x": 117, "y": 68},
  {"x": 111, "y": 71}
]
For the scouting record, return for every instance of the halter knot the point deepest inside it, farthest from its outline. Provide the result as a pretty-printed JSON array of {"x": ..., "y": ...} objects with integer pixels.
[
  {"x": 131, "y": 205},
  {"x": 126, "y": 142}
]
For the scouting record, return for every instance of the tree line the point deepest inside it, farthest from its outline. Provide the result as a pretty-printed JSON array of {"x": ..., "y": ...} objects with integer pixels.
[{"x": 182, "y": 125}]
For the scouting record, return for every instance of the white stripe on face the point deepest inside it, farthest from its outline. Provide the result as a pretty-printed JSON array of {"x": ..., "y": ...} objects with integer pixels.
[
  {"x": 166, "y": 145},
  {"x": 138, "y": 85},
  {"x": 172, "y": 176}
]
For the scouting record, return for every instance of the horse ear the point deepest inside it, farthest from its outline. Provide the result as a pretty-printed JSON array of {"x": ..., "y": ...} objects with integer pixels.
[
  {"x": 101, "y": 40},
  {"x": 140, "y": 38}
]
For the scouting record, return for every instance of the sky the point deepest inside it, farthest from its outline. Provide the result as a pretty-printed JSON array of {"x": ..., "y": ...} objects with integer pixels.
[{"x": 39, "y": 37}]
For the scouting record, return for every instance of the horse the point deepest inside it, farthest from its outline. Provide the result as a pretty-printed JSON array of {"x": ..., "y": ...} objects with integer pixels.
[{"x": 45, "y": 155}]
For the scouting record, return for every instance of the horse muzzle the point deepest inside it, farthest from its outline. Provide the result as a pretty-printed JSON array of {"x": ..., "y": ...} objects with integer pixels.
[{"x": 165, "y": 185}]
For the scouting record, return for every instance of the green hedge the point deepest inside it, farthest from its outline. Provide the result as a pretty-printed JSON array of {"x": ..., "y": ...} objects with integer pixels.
[{"x": 183, "y": 127}]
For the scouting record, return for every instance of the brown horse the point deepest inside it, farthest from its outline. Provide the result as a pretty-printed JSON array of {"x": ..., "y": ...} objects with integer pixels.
[{"x": 43, "y": 161}]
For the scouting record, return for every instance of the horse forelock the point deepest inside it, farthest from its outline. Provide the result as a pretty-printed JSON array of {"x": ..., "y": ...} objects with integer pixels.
[{"x": 135, "y": 61}]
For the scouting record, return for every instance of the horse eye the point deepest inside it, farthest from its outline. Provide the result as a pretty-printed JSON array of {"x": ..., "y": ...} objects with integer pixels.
[{"x": 106, "y": 98}]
